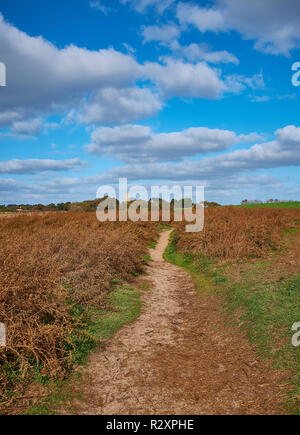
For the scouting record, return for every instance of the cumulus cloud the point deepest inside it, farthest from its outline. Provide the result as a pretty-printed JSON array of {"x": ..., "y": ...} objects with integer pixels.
[
  {"x": 31, "y": 126},
  {"x": 225, "y": 190},
  {"x": 108, "y": 106},
  {"x": 221, "y": 173},
  {"x": 168, "y": 34},
  {"x": 198, "y": 80},
  {"x": 198, "y": 52},
  {"x": 137, "y": 143},
  {"x": 96, "y": 4},
  {"x": 34, "y": 166},
  {"x": 284, "y": 151},
  {"x": 6, "y": 117},
  {"x": 273, "y": 25},
  {"x": 236, "y": 83},
  {"x": 59, "y": 80},
  {"x": 289, "y": 137},
  {"x": 143, "y": 5},
  {"x": 203, "y": 18},
  {"x": 53, "y": 77},
  {"x": 177, "y": 78},
  {"x": 163, "y": 33},
  {"x": 260, "y": 98}
]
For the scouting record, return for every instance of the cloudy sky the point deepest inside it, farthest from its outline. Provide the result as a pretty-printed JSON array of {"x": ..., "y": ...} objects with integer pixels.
[{"x": 158, "y": 91}]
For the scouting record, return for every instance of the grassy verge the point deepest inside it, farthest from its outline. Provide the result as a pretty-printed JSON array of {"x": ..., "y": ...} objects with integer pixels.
[
  {"x": 100, "y": 325},
  {"x": 163, "y": 227},
  {"x": 265, "y": 310},
  {"x": 291, "y": 204}
]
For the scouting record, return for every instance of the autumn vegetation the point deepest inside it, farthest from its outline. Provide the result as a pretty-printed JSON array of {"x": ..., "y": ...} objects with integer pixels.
[
  {"x": 233, "y": 232},
  {"x": 55, "y": 266}
]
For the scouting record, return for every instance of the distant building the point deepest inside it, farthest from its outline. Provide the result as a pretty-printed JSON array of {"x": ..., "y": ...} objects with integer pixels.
[{"x": 20, "y": 210}]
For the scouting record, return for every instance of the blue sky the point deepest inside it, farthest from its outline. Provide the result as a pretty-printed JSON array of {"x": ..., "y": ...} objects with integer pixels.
[{"x": 158, "y": 91}]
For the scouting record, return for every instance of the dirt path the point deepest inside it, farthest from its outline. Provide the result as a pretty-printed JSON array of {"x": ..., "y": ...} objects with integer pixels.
[{"x": 178, "y": 357}]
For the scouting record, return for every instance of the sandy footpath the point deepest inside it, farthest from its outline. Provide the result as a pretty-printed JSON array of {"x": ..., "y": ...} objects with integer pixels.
[{"x": 178, "y": 357}]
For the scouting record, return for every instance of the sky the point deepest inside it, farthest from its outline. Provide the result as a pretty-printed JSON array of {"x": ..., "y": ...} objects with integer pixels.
[{"x": 160, "y": 92}]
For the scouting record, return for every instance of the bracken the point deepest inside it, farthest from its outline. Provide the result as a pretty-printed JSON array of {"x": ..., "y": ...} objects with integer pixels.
[{"x": 49, "y": 263}]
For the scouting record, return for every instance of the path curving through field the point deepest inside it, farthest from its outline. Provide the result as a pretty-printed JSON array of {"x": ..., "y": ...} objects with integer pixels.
[{"x": 178, "y": 357}]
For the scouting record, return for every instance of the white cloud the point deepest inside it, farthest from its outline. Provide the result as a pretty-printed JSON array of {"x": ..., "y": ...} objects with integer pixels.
[
  {"x": 56, "y": 78},
  {"x": 6, "y": 117},
  {"x": 236, "y": 83},
  {"x": 198, "y": 52},
  {"x": 252, "y": 137},
  {"x": 96, "y": 4},
  {"x": 204, "y": 19},
  {"x": 34, "y": 166},
  {"x": 136, "y": 143},
  {"x": 59, "y": 80},
  {"x": 164, "y": 33},
  {"x": 226, "y": 190},
  {"x": 221, "y": 175},
  {"x": 289, "y": 136},
  {"x": 168, "y": 35},
  {"x": 126, "y": 141},
  {"x": 30, "y": 127},
  {"x": 272, "y": 24},
  {"x": 108, "y": 106},
  {"x": 128, "y": 48},
  {"x": 143, "y": 5},
  {"x": 283, "y": 151},
  {"x": 177, "y": 78},
  {"x": 260, "y": 98},
  {"x": 264, "y": 98}
]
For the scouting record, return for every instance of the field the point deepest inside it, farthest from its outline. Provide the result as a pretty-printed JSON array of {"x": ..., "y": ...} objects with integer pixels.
[
  {"x": 58, "y": 270},
  {"x": 290, "y": 204},
  {"x": 53, "y": 268},
  {"x": 250, "y": 258}
]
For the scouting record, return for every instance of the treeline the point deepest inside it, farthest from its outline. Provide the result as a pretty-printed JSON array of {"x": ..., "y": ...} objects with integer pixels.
[
  {"x": 269, "y": 201},
  {"x": 91, "y": 205},
  {"x": 63, "y": 206}
]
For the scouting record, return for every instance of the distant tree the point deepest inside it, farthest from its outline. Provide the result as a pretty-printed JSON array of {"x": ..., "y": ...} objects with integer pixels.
[
  {"x": 211, "y": 204},
  {"x": 63, "y": 206},
  {"x": 75, "y": 208},
  {"x": 51, "y": 206},
  {"x": 38, "y": 207}
]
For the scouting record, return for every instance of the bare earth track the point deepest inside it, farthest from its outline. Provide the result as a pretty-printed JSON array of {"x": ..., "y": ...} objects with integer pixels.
[{"x": 178, "y": 358}]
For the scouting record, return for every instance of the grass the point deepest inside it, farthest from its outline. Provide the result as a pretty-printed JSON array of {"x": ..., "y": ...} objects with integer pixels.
[
  {"x": 291, "y": 204},
  {"x": 101, "y": 325},
  {"x": 266, "y": 310},
  {"x": 204, "y": 282},
  {"x": 163, "y": 227},
  {"x": 148, "y": 259},
  {"x": 153, "y": 244}
]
